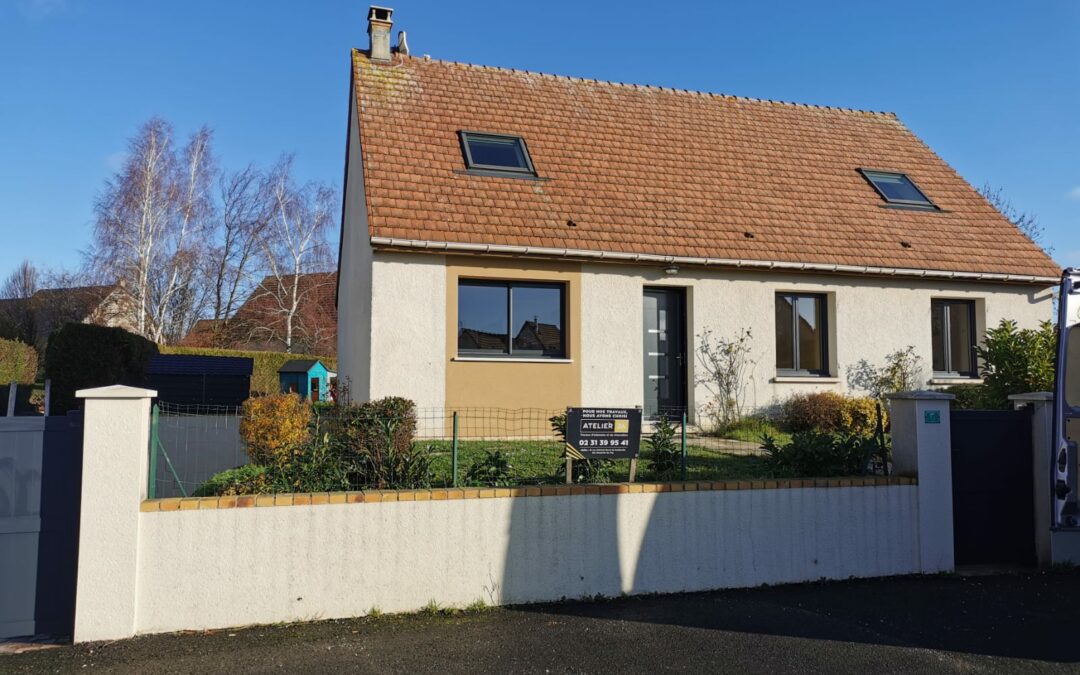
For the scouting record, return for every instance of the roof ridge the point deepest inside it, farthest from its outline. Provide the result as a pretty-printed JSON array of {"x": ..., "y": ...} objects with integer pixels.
[{"x": 634, "y": 85}]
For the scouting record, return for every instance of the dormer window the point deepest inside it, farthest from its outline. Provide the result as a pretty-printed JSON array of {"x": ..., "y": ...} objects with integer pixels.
[
  {"x": 896, "y": 188},
  {"x": 497, "y": 153}
]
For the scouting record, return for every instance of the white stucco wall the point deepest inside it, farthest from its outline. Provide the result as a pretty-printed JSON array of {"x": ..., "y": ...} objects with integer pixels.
[
  {"x": 408, "y": 328},
  {"x": 869, "y": 318},
  {"x": 227, "y": 567}
]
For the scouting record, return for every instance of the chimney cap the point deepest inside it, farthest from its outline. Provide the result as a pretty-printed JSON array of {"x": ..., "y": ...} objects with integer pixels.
[{"x": 380, "y": 14}]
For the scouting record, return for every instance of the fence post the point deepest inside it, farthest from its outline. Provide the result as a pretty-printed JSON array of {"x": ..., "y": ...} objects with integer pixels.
[
  {"x": 151, "y": 486},
  {"x": 13, "y": 391},
  {"x": 922, "y": 447},
  {"x": 454, "y": 451},
  {"x": 684, "y": 445},
  {"x": 116, "y": 436}
]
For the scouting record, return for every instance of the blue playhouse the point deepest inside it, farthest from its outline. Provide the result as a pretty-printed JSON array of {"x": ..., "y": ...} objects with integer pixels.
[{"x": 307, "y": 377}]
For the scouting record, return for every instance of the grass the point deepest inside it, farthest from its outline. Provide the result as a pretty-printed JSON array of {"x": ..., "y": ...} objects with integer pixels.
[
  {"x": 751, "y": 429},
  {"x": 538, "y": 462}
]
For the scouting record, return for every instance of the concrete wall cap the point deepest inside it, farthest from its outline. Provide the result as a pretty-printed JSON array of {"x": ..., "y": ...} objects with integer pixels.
[
  {"x": 1033, "y": 396},
  {"x": 921, "y": 395},
  {"x": 116, "y": 391}
]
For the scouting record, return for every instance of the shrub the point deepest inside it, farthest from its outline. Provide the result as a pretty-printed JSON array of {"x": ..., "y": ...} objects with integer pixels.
[
  {"x": 968, "y": 396},
  {"x": 902, "y": 371},
  {"x": 811, "y": 453},
  {"x": 82, "y": 355},
  {"x": 1017, "y": 361},
  {"x": 250, "y": 479},
  {"x": 725, "y": 365},
  {"x": 379, "y": 435},
  {"x": 264, "y": 374},
  {"x": 18, "y": 362},
  {"x": 275, "y": 428},
  {"x": 666, "y": 455},
  {"x": 829, "y": 412},
  {"x": 494, "y": 470}
]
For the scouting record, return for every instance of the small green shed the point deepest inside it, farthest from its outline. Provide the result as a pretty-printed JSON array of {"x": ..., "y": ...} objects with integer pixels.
[{"x": 307, "y": 377}]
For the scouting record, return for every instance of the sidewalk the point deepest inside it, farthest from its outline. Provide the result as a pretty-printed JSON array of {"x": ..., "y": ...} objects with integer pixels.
[{"x": 1013, "y": 623}]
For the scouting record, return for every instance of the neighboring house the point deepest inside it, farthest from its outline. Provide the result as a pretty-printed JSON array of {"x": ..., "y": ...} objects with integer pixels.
[
  {"x": 515, "y": 239},
  {"x": 36, "y": 317},
  {"x": 261, "y": 323}
]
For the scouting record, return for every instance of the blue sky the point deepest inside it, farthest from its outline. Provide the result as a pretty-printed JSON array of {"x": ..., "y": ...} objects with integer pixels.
[{"x": 993, "y": 86}]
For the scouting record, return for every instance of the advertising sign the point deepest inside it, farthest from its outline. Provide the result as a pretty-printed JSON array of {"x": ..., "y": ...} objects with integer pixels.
[{"x": 603, "y": 433}]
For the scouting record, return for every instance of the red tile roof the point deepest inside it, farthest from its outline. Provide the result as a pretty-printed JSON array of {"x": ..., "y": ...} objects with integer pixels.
[{"x": 657, "y": 171}]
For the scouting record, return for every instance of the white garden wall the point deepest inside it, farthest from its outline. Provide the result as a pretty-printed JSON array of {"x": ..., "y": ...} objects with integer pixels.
[
  {"x": 226, "y": 567},
  {"x": 178, "y": 564}
]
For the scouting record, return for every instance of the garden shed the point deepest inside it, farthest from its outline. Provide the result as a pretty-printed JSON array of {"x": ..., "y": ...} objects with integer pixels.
[
  {"x": 307, "y": 377},
  {"x": 200, "y": 380}
]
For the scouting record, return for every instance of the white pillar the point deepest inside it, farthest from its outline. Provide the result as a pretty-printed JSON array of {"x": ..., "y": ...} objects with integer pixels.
[
  {"x": 922, "y": 447},
  {"x": 1042, "y": 446},
  {"x": 116, "y": 436}
]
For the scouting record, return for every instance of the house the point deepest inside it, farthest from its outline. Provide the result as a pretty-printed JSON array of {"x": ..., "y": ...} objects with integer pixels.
[
  {"x": 200, "y": 380},
  {"x": 307, "y": 377},
  {"x": 33, "y": 319},
  {"x": 263, "y": 323},
  {"x": 515, "y": 239}
]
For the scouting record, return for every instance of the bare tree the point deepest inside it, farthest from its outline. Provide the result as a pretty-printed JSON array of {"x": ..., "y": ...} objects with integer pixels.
[
  {"x": 1026, "y": 222},
  {"x": 294, "y": 243},
  {"x": 151, "y": 220},
  {"x": 245, "y": 211},
  {"x": 16, "y": 310}
]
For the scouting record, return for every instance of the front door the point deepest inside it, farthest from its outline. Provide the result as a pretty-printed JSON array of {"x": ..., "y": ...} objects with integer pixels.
[{"x": 665, "y": 352}]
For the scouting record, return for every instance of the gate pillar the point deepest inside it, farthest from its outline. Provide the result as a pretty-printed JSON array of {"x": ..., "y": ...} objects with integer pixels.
[{"x": 922, "y": 443}]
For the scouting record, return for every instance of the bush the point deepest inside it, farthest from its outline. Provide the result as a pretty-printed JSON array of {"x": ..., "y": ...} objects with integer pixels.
[
  {"x": 275, "y": 428},
  {"x": 250, "y": 479},
  {"x": 264, "y": 374},
  {"x": 1017, "y": 361},
  {"x": 666, "y": 455},
  {"x": 815, "y": 454},
  {"x": 968, "y": 396},
  {"x": 379, "y": 434},
  {"x": 830, "y": 412},
  {"x": 82, "y": 355},
  {"x": 18, "y": 362},
  {"x": 493, "y": 470}
]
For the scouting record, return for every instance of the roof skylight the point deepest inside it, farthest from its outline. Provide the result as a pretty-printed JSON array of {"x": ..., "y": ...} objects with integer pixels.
[
  {"x": 496, "y": 152},
  {"x": 896, "y": 188}
]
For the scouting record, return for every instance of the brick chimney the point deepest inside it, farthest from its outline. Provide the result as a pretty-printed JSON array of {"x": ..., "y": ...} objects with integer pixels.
[{"x": 379, "y": 25}]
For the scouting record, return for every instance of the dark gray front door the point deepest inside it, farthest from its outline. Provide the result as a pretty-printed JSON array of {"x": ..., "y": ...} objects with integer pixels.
[{"x": 665, "y": 352}]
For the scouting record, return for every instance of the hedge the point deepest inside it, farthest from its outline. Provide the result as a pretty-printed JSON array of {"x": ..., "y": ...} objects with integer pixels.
[
  {"x": 18, "y": 362},
  {"x": 264, "y": 377},
  {"x": 82, "y": 355}
]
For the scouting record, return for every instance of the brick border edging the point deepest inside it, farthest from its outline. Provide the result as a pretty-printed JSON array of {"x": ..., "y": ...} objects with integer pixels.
[{"x": 444, "y": 494}]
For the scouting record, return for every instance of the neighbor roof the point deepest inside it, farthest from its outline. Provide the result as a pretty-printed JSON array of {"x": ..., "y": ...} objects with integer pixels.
[
  {"x": 297, "y": 366},
  {"x": 648, "y": 171},
  {"x": 189, "y": 364}
]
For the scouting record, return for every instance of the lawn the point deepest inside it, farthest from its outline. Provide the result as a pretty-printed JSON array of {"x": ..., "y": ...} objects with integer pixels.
[{"x": 538, "y": 462}]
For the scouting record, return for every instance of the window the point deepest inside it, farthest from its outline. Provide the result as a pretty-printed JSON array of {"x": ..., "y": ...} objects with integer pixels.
[
  {"x": 496, "y": 152},
  {"x": 896, "y": 188},
  {"x": 511, "y": 319},
  {"x": 1072, "y": 367},
  {"x": 801, "y": 328},
  {"x": 952, "y": 325}
]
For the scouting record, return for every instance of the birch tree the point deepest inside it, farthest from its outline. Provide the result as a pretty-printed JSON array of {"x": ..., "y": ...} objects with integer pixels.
[
  {"x": 245, "y": 212},
  {"x": 294, "y": 243},
  {"x": 151, "y": 222}
]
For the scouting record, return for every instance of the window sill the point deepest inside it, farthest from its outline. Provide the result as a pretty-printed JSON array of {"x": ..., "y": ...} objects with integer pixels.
[
  {"x": 805, "y": 379},
  {"x": 946, "y": 381},
  {"x": 509, "y": 359}
]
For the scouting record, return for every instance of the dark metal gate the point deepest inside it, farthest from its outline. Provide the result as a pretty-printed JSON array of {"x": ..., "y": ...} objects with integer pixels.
[
  {"x": 992, "y": 476},
  {"x": 40, "y": 483}
]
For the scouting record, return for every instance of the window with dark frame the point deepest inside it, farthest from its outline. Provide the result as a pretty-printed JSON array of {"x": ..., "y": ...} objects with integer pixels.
[
  {"x": 499, "y": 153},
  {"x": 511, "y": 319},
  {"x": 801, "y": 334},
  {"x": 896, "y": 188},
  {"x": 952, "y": 327}
]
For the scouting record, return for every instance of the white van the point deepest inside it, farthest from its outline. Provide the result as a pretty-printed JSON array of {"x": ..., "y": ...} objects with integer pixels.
[{"x": 1067, "y": 398}]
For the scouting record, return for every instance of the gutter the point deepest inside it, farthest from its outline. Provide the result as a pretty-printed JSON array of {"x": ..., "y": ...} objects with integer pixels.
[{"x": 728, "y": 263}]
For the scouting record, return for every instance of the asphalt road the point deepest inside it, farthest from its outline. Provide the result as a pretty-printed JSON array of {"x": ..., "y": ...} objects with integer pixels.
[{"x": 1008, "y": 623}]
